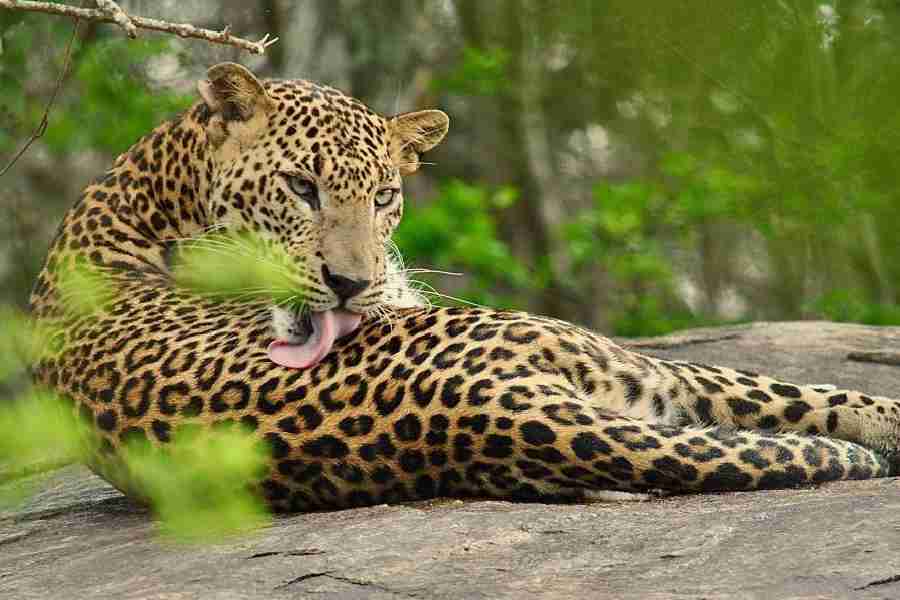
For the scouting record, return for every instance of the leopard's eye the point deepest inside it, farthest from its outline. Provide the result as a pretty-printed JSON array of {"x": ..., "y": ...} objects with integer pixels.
[
  {"x": 385, "y": 197},
  {"x": 304, "y": 188}
]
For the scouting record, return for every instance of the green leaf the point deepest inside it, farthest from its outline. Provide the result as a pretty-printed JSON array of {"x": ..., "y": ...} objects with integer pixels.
[
  {"x": 238, "y": 267},
  {"x": 35, "y": 427},
  {"x": 201, "y": 484}
]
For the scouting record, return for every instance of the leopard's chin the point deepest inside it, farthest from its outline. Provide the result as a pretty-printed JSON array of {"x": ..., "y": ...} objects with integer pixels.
[{"x": 291, "y": 326}]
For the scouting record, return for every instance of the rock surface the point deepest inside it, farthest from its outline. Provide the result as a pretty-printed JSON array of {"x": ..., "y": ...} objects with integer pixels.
[{"x": 79, "y": 538}]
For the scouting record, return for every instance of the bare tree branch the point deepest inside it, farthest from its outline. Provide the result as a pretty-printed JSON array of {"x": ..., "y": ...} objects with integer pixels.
[
  {"x": 45, "y": 119},
  {"x": 118, "y": 16}
]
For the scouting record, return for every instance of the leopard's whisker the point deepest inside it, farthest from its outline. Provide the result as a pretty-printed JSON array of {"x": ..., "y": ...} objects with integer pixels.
[{"x": 432, "y": 271}]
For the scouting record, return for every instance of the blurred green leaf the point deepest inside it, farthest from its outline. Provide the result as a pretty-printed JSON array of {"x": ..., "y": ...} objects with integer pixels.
[
  {"x": 200, "y": 484},
  {"x": 850, "y": 306},
  {"x": 480, "y": 71},
  {"x": 32, "y": 428},
  {"x": 457, "y": 231},
  {"x": 238, "y": 266},
  {"x": 83, "y": 287},
  {"x": 25, "y": 341}
]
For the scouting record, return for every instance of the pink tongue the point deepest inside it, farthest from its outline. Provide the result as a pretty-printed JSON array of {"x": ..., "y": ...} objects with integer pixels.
[{"x": 327, "y": 326}]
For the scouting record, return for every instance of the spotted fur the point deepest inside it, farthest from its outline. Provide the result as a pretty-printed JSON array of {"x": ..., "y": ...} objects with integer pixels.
[{"x": 419, "y": 402}]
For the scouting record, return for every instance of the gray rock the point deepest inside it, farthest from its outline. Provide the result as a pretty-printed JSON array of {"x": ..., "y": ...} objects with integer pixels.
[{"x": 79, "y": 538}]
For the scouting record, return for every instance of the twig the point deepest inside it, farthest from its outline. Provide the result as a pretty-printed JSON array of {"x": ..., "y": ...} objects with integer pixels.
[
  {"x": 118, "y": 15},
  {"x": 184, "y": 30},
  {"x": 45, "y": 119},
  {"x": 880, "y": 357}
]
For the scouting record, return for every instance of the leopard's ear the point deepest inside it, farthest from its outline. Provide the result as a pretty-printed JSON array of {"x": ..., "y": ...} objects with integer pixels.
[
  {"x": 238, "y": 103},
  {"x": 234, "y": 92},
  {"x": 412, "y": 134}
]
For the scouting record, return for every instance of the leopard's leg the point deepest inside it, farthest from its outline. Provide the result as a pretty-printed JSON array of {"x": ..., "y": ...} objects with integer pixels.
[
  {"x": 531, "y": 438},
  {"x": 540, "y": 422},
  {"x": 718, "y": 395},
  {"x": 597, "y": 451}
]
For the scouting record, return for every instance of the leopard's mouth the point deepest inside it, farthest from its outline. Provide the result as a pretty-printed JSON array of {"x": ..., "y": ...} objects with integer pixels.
[{"x": 322, "y": 329}]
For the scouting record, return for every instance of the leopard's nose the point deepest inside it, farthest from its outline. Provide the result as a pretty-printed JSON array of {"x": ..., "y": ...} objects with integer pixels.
[{"x": 344, "y": 287}]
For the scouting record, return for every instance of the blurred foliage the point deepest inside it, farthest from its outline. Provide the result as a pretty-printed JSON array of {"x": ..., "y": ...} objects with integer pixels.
[
  {"x": 849, "y": 306},
  {"x": 83, "y": 286},
  {"x": 237, "y": 266},
  {"x": 766, "y": 131},
  {"x": 199, "y": 484},
  {"x": 480, "y": 72},
  {"x": 621, "y": 232},
  {"x": 28, "y": 427},
  {"x": 35, "y": 426},
  {"x": 120, "y": 91},
  {"x": 107, "y": 78},
  {"x": 457, "y": 231},
  {"x": 19, "y": 345}
]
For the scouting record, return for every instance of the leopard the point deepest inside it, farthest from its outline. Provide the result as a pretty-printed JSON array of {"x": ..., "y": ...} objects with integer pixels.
[{"x": 364, "y": 394}]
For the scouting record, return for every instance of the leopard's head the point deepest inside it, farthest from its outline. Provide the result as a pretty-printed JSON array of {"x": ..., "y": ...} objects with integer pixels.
[{"x": 319, "y": 173}]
